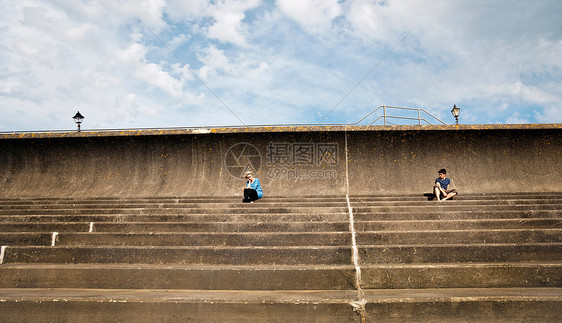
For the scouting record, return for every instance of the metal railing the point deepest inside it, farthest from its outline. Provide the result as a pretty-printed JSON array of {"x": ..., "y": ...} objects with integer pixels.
[{"x": 385, "y": 117}]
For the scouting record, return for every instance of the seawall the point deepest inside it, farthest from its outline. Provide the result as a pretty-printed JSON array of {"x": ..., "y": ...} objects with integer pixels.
[{"x": 289, "y": 161}]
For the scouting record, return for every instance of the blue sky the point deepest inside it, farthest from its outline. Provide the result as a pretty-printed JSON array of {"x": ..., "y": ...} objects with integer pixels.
[{"x": 234, "y": 62}]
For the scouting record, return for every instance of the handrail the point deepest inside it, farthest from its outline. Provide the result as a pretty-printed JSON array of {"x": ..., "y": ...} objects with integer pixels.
[
  {"x": 384, "y": 107},
  {"x": 385, "y": 116}
]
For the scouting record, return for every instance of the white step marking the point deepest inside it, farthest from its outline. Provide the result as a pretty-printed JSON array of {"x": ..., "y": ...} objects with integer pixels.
[
  {"x": 2, "y": 252},
  {"x": 54, "y": 238}
]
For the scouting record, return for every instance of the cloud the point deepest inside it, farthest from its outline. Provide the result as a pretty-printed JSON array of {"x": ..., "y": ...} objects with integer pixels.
[
  {"x": 312, "y": 15},
  {"x": 57, "y": 61},
  {"x": 460, "y": 52},
  {"x": 550, "y": 114},
  {"x": 214, "y": 61},
  {"x": 148, "y": 11},
  {"x": 516, "y": 118},
  {"x": 110, "y": 13},
  {"x": 228, "y": 16},
  {"x": 179, "y": 10},
  {"x": 275, "y": 61}
]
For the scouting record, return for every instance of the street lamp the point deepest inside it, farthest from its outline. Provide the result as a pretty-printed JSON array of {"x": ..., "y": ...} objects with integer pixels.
[
  {"x": 456, "y": 112},
  {"x": 78, "y": 119}
]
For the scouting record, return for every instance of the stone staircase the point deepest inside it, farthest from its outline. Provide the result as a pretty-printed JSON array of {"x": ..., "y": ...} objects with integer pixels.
[{"x": 213, "y": 259}]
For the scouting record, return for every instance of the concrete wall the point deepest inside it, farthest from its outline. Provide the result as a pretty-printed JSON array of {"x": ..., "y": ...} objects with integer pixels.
[
  {"x": 288, "y": 161},
  {"x": 478, "y": 160}
]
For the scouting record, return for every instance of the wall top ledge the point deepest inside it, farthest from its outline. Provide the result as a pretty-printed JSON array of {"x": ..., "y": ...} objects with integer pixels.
[{"x": 266, "y": 129}]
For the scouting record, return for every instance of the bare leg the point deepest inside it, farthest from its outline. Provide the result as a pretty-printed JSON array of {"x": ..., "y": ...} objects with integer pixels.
[
  {"x": 449, "y": 195},
  {"x": 437, "y": 191}
]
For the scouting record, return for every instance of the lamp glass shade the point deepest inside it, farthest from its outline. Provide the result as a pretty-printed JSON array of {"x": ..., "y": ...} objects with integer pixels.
[
  {"x": 78, "y": 117},
  {"x": 455, "y": 111}
]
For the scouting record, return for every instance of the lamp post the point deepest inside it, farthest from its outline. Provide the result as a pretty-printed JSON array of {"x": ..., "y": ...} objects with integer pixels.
[
  {"x": 455, "y": 113},
  {"x": 78, "y": 119}
]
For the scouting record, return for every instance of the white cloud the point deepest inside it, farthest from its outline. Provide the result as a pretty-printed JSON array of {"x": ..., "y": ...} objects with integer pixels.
[
  {"x": 516, "y": 118},
  {"x": 228, "y": 28},
  {"x": 228, "y": 16},
  {"x": 57, "y": 61},
  {"x": 148, "y": 11},
  {"x": 214, "y": 60},
  {"x": 313, "y": 15},
  {"x": 550, "y": 114},
  {"x": 183, "y": 71},
  {"x": 179, "y": 10},
  {"x": 178, "y": 41},
  {"x": 98, "y": 56}
]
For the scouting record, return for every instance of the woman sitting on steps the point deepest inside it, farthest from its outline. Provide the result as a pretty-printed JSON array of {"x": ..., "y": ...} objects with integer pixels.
[{"x": 253, "y": 189}]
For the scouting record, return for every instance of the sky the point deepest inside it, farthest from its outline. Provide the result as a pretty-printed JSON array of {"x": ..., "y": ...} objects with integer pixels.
[{"x": 194, "y": 63}]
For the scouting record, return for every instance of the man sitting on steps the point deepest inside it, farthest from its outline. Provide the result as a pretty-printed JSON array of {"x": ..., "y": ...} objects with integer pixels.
[{"x": 441, "y": 187}]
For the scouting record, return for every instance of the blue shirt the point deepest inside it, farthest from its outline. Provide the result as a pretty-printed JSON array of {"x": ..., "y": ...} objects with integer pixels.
[
  {"x": 444, "y": 182},
  {"x": 256, "y": 186}
]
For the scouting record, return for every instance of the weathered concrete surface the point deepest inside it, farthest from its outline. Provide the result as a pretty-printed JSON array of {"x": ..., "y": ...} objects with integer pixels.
[
  {"x": 496, "y": 159},
  {"x": 63, "y": 305},
  {"x": 480, "y": 258},
  {"x": 212, "y": 277},
  {"x": 178, "y": 165},
  {"x": 288, "y": 161},
  {"x": 432, "y": 305}
]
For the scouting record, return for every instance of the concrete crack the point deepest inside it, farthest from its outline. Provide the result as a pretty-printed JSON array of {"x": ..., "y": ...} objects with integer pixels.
[{"x": 359, "y": 304}]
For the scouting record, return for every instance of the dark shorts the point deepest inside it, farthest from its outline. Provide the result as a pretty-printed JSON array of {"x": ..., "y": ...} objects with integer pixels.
[{"x": 250, "y": 195}]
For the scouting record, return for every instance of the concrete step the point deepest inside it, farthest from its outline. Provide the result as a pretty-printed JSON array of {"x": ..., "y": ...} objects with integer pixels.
[
  {"x": 200, "y": 255},
  {"x": 269, "y": 204},
  {"x": 162, "y": 205},
  {"x": 461, "y": 224},
  {"x": 276, "y": 199},
  {"x": 127, "y": 204},
  {"x": 268, "y": 217},
  {"x": 462, "y": 196},
  {"x": 401, "y": 225},
  {"x": 464, "y": 305},
  {"x": 451, "y": 261},
  {"x": 445, "y": 207},
  {"x": 460, "y": 253},
  {"x": 45, "y": 227},
  {"x": 460, "y": 236},
  {"x": 174, "y": 227},
  {"x": 283, "y": 239},
  {"x": 144, "y": 276},
  {"x": 206, "y": 239},
  {"x": 462, "y": 275},
  {"x": 452, "y": 207},
  {"x": 428, "y": 196},
  {"x": 170, "y": 199},
  {"x": 264, "y": 277},
  {"x": 176, "y": 306},
  {"x": 435, "y": 305},
  {"x": 312, "y": 238},
  {"x": 25, "y": 239},
  {"x": 286, "y": 255},
  {"x": 537, "y": 202},
  {"x": 243, "y": 209},
  {"x": 466, "y": 214},
  {"x": 286, "y": 217}
]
